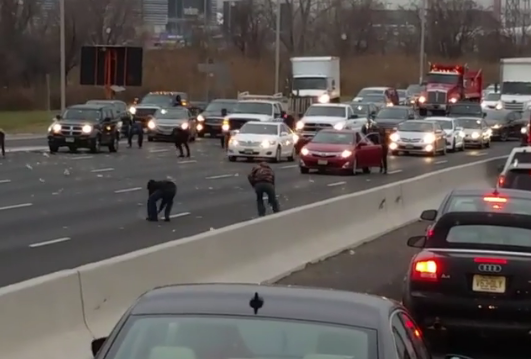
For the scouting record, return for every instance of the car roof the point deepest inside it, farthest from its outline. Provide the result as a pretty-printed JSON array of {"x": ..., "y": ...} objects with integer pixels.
[
  {"x": 514, "y": 193},
  {"x": 435, "y": 118},
  {"x": 376, "y": 88},
  {"x": 517, "y": 165},
  {"x": 399, "y": 107},
  {"x": 469, "y": 118},
  {"x": 225, "y": 100},
  {"x": 88, "y": 106},
  {"x": 351, "y": 131},
  {"x": 296, "y": 303},
  {"x": 261, "y": 101},
  {"x": 263, "y": 123},
  {"x": 168, "y": 93},
  {"x": 105, "y": 101},
  {"x": 343, "y": 105},
  {"x": 417, "y": 121}
]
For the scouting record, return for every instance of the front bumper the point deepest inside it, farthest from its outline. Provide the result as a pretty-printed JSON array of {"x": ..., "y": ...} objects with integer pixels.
[
  {"x": 411, "y": 147},
  {"x": 329, "y": 163},
  {"x": 82, "y": 141},
  {"x": 469, "y": 141},
  {"x": 433, "y": 107},
  {"x": 251, "y": 152}
]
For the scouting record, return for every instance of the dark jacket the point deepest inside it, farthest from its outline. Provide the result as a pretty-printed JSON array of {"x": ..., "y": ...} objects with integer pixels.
[
  {"x": 181, "y": 135},
  {"x": 165, "y": 186},
  {"x": 261, "y": 173},
  {"x": 384, "y": 138}
]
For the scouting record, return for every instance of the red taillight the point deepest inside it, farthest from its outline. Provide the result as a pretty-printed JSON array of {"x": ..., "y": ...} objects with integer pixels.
[
  {"x": 429, "y": 232},
  {"x": 411, "y": 327},
  {"x": 425, "y": 270},
  {"x": 495, "y": 199},
  {"x": 490, "y": 260},
  {"x": 501, "y": 180}
]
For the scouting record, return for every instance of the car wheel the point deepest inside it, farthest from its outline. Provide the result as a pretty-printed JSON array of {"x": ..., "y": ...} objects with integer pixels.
[
  {"x": 454, "y": 149},
  {"x": 53, "y": 148},
  {"x": 232, "y": 158},
  {"x": 278, "y": 155},
  {"x": 304, "y": 170},
  {"x": 292, "y": 157},
  {"x": 462, "y": 148},
  {"x": 443, "y": 151},
  {"x": 72, "y": 148},
  {"x": 95, "y": 146},
  {"x": 354, "y": 167},
  {"x": 201, "y": 134},
  {"x": 504, "y": 136},
  {"x": 115, "y": 145}
]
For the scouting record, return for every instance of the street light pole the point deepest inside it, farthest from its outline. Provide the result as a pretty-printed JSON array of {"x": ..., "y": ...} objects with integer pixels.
[
  {"x": 422, "y": 39},
  {"x": 63, "y": 53},
  {"x": 277, "y": 50}
]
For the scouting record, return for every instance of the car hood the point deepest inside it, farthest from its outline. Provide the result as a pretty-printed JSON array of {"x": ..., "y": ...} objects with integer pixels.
[
  {"x": 412, "y": 135},
  {"x": 212, "y": 114},
  {"x": 439, "y": 87},
  {"x": 469, "y": 131},
  {"x": 322, "y": 119},
  {"x": 169, "y": 122},
  {"x": 76, "y": 122},
  {"x": 254, "y": 137},
  {"x": 249, "y": 116},
  {"x": 327, "y": 147},
  {"x": 388, "y": 123}
]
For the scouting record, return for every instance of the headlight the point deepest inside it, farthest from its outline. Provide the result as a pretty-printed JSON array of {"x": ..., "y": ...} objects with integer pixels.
[
  {"x": 499, "y": 106},
  {"x": 267, "y": 143},
  {"x": 390, "y": 104},
  {"x": 184, "y": 125},
  {"x": 453, "y": 100},
  {"x": 483, "y": 105},
  {"x": 200, "y": 118},
  {"x": 295, "y": 138},
  {"x": 225, "y": 127},
  {"x": 346, "y": 153},
  {"x": 132, "y": 110},
  {"x": 475, "y": 135},
  {"x": 394, "y": 137},
  {"x": 422, "y": 99},
  {"x": 299, "y": 125},
  {"x": 339, "y": 126},
  {"x": 324, "y": 98},
  {"x": 86, "y": 129},
  {"x": 304, "y": 151},
  {"x": 199, "y": 127},
  {"x": 488, "y": 132},
  {"x": 496, "y": 126},
  {"x": 523, "y": 130},
  {"x": 151, "y": 125},
  {"x": 461, "y": 134},
  {"x": 55, "y": 128},
  {"x": 429, "y": 138},
  {"x": 233, "y": 142}
]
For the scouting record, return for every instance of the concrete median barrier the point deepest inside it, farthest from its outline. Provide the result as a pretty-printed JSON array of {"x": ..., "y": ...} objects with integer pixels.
[{"x": 256, "y": 251}]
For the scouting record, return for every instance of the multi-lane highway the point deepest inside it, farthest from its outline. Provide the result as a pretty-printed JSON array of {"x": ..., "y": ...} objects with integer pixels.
[{"x": 61, "y": 211}]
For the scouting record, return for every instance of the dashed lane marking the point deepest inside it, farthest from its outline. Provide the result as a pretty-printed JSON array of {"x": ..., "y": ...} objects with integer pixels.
[
  {"x": 394, "y": 172},
  {"x": 46, "y": 243},
  {"x": 222, "y": 176},
  {"x": 15, "y": 206},
  {"x": 125, "y": 190},
  {"x": 336, "y": 184},
  {"x": 102, "y": 170}
]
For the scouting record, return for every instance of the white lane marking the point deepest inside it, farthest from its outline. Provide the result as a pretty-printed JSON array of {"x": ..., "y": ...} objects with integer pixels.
[
  {"x": 336, "y": 184},
  {"x": 393, "y": 172},
  {"x": 180, "y": 215},
  {"x": 440, "y": 162},
  {"x": 159, "y": 150},
  {"x": 15, "y": 206},
  {"x": 185, "y": 162},
  {"x": 125, "y": 190},
  {"x": 220, "y": 176},
  {"x": 53, "y": 241},
  {"x": 289, "y": 166},
  {"x": 81, "y": 158},
  {"x": 102, "y": 170},
  {"x": 5, "y": 181}
]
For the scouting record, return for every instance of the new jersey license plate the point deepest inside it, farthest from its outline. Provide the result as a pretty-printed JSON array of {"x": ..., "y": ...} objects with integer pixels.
[
  {"x": 69, "y": 139},
  {"x": 248, "y": 151},
  {"x": 488, "y": 284},
  {"x": 409, "y": 146},
  {"x": 322, "y": 162}
]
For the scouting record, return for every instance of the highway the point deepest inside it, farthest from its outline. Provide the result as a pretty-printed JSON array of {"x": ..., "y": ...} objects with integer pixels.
[{"x": 61, "y": 211}]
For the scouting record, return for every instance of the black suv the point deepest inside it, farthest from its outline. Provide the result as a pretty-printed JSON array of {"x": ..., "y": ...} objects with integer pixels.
[{"x": 85, "y": 126}]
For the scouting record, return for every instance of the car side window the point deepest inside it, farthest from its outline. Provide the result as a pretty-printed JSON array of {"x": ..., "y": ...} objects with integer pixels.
[
  {"x": 401, "y": 350},
  {"x": 276, "y": 110},
  {"x": 398, "y": 328},
  {"x": 415, "y": 335}
]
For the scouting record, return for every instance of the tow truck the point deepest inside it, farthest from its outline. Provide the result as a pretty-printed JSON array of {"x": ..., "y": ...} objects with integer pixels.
[{"x": 449, "y": 84}]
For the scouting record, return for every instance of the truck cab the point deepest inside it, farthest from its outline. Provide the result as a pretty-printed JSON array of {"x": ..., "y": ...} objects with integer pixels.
[
  {"x": 515, "y": 83},
  {"x": 447, "y": 85},
  {"x": 317, "y": 78},
  {"x": 253, "y": 108},
  {"x": 319, "y": 116}
]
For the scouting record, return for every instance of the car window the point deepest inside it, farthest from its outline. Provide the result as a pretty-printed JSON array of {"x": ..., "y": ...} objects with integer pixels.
[
  {"x": 462, "y": 203},
  {"x": 517, "y": 178},
  {"x": 400, "y": 331},
  {"x": 520, "y": 157},
  {"x": 502, "y": 236}
]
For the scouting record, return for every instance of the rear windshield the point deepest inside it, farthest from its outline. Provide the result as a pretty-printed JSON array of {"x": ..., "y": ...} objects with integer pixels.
[
  {"x": 521, "y": 157},
  {"x": 480, "y": 204},
  {"x": 490, "y": 235},
  {"x": 518, "y": 179}
]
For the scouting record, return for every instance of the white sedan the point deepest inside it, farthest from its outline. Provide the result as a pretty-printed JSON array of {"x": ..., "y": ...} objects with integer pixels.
[
  {"x": 270, "y": 140},
  {"x": 455, "y": 136}
]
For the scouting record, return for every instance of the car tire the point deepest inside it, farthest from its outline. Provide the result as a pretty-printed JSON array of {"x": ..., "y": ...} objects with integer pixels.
[
  {"x": 304, "y": 170},
  {"x": 95, "y": 146},
  {"x": 462, "y": 148},
  {"x": 53, "y": 148},
  {"x": 292, "y": 157},
  {"x": 443, "y": 151},
  {"x": 454, "y": 148},
  {"x": 72, "y": 148},
  {"x": 232, "y": 158},
  {"x": 115, "y": 145},
  {"x": 366, "y": 170},
  {"x": 201, "y": 134},
  {"x": 354, "y": 170},
  {"x": 278, "y": 155},
  {"x": 504, "y": 136}
]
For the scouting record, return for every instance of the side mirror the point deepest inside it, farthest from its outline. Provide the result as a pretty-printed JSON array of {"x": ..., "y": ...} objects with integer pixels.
[
  {"x": 416, "y": 241},
  {"x": 107, "y": 119},
  {"x": 283, "y": 134},
  {"x": 352, "y": 117},
  {"x": 96, "y": 345},
  {"x": 411, "y": 117},
  {"x": 429, "y": 215},
  {"x": 459, "y": 129},
  {"x": 484, "y": 114},
  {"x": 373, "y": 113},
  {"x": 234, "y": 132},
  {"x": 282, "y": 113}
]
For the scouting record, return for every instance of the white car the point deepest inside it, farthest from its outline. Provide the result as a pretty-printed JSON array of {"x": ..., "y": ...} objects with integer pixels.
[
  {"x": 477, "y": 131},
  {"x": 518, "y": 154},
  {"x": 325, "y": 116},
  {"x": 492, "y": 101},
  {"x": 455, "y": 136},
  {"x": 418, "y": 136},
  {"x": 270, "y": 140}
]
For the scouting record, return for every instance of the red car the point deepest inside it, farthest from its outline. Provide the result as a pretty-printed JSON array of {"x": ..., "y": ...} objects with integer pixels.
[{"x": 345, "y": 150}]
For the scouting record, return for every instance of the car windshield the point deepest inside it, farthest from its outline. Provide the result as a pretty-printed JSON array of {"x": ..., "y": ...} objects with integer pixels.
[
  {"x": 517, "y": 178},
  {"x": 410, "y": 126},
  {"x": 203, "y": 337},
  {"x": 374, "y": 98},
  {"x": 469, "y": 123},
  {"x": 309, "y": 83},
  {"x": 470, "y": 110},
  {"x": 442, "y": 78},
  {"x": 254, "y": 108},
  {"x": 82, "y": 115},
  {"x": 217, "y": 106},
  {"x": 173, "y": 114},
  {"x": 360, "y": 109},
  {"x": 328, "y": 111},
  {"x": 521, "y": 157},
  {"x": 496, "y": 116},
  {"x": 370, "y": 92},
  {"x": 335, "y": 138},
  {"x": 493, "y": 96},
  {"x": 391, "y": 112},
  {"x": 469, "y": 203},
  {"x": 414, "y": 90},
  {"x": 161, "y": 100},
  {"x": 503, "y": 236},
  {"x": 445, "y": 124},
  {"x": 257, "y": 129},
  {"x": 402, "y": 93},
  {"x": 516, "y": 88}
]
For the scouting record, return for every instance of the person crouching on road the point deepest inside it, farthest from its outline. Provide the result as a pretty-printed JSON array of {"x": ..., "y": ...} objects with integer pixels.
[
  {"x": 262, "y": 178},
  {"x": 135, "y": 128},
  {"x": 181, "y": 136},
  {"x": 165, "y": 192}
]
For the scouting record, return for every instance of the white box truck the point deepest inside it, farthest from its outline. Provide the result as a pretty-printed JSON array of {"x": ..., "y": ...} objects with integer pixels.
[
  {"x": 316, "y": 77},
  {"x": 515, "y": 83}
]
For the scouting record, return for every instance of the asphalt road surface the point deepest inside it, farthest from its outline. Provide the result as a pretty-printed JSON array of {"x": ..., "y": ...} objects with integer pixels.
[
  {"x": 378, "y": 267},
  {"x": 61, "y": 211}
]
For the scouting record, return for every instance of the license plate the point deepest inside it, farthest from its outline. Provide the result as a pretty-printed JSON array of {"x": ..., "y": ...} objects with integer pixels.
[
  {"x": 488, "y": 284},
  {"x": 69, "y": 139},
  {"x": 248, "y": 151},
  {"x": 409, "y": 146},
  {"x": 322, "y": 162}
]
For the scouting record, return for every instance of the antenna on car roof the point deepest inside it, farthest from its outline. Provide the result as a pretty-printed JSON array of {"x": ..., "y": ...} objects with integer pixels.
[
  {"x": 495, "y": 192},
  {"x": 256, "y": 303}
]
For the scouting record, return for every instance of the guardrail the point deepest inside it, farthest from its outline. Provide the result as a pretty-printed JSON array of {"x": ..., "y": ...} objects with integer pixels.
[{"x": 56, "y": 316}]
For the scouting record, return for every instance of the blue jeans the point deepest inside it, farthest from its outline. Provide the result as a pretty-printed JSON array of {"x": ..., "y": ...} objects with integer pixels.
[{"x": 166, "y": 198}]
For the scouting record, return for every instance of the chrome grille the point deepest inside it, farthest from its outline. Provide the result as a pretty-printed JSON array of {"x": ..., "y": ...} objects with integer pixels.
[
  {"x": 144, "y": 112},
  {"x": 437, "y": 97},
  {"x": 513, "y": 106},
  {"x": 213, "y": 121},
  {"x": 250, "y": 143},
  {"x": 71, "y": 130},
  {"x": 315, "y": 127},
  {"x": 411, "y": 140},
  {"x": 325, "y": 154}
]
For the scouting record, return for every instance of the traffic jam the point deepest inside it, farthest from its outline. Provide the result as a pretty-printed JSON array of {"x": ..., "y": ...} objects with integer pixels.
[{"x": 471, "y": 274}]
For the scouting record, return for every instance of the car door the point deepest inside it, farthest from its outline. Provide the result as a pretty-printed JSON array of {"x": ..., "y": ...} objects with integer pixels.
[
  {"x": 373, "y": 148},
  {"x": 286, "y": 138},
  {"x": 515, "y": 124}
]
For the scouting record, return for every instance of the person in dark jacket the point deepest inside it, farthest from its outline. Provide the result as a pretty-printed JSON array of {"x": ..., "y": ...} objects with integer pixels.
[
  {"x": 178, "y": 100},
  {"x": 3, "y": 142},
  {"x": 136, "y": 128},
  {"x": 384, "y": 141},
  {"x": 165, "y": 192},
  {"x": 181, "y": 136},
  {"x": 225, "y": 135},
  {"x": 262, "y": 179}
]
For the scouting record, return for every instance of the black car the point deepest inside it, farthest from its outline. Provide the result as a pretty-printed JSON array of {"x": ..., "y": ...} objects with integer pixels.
[
  {"x": 505, "y": 124},
  {"x": 466, "y": 109},
  {"x": 85, "y": 126},
  {"x": 516, "y": 176},
  {"x": 153, "y": 101},
  {"x": 164, "y": 122},
  {"x": 390, "y": 117},
  {"x": 120, "y": 112},
  {"x": 212, "y": 119},
  {"x": 258, "y": 321},
  {"x": 472, "y": 274}
]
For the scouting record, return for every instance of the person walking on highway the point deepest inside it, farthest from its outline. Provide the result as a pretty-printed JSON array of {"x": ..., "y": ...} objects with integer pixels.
[
  {"x": 135, "y": 128},
  {"x": 384, "y": 141},
  {"x": 165, "y": 192},
  {"x": 181, "y": 136},
  {"x": 262, "y": 179},
  {"x": 3, "y": 142}
]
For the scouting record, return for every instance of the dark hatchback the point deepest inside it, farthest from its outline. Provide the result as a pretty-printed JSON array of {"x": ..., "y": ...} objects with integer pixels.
[
  {"x": 85, "y": 126},
  {"x": 472, "y": 274},
  {"x": 505, "y": 124},
  {"x": 255, "y": 321},
  {"x": 212, "y": 117}
]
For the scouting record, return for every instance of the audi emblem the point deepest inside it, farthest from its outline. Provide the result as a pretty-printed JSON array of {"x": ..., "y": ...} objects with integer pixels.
[{"x": 490, "y": 268}]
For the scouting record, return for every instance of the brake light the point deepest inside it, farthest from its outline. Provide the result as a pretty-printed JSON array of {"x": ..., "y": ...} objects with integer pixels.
[
  {"x": 501, "y": 180},
  {"x": 411, "y": 326},
  {"x": 490, "y": 260},
  {"x": 429, "y": 233},
  {"x": 425, "y": 270},
  {"x": 495, "y": 199}
]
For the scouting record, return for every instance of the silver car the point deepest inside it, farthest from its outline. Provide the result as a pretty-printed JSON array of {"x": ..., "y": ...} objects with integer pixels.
[{"x": 418, "y": 136}]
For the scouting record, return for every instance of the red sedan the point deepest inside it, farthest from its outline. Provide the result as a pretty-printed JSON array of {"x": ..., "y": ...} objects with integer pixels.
[{"x": 345, "y": 150}]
